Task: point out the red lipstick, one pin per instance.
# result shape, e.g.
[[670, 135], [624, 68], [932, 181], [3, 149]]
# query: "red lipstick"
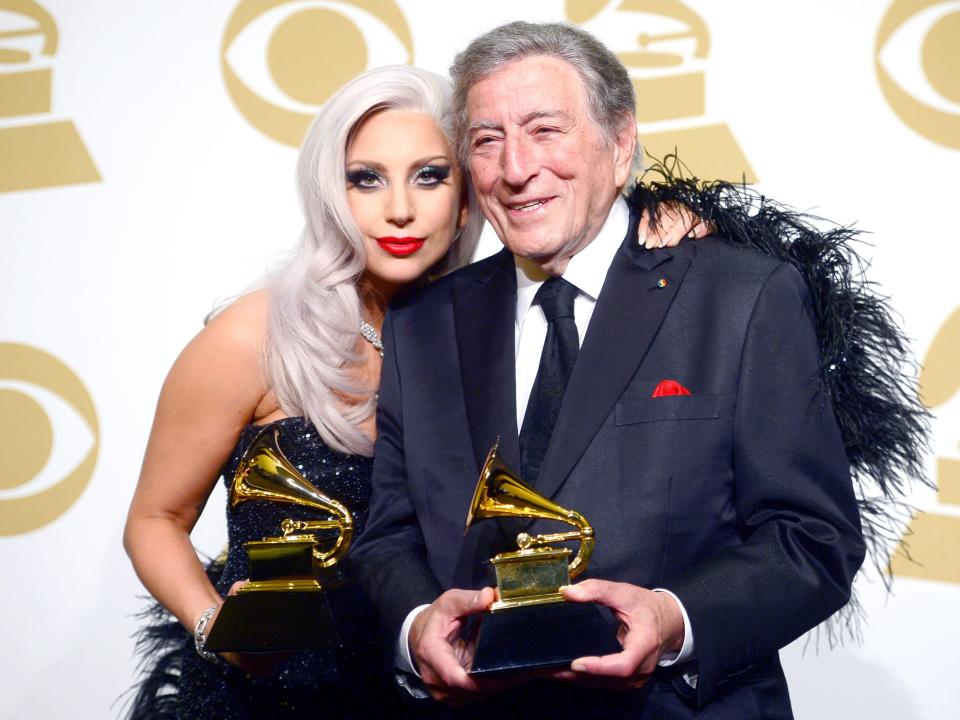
[[401, 246]]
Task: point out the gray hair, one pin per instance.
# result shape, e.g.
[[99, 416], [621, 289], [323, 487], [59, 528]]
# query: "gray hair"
[[315, 308], [610, 97]]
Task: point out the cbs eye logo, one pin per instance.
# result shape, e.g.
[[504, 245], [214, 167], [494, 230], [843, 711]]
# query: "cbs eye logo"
[[41, 476], [281, 59], [918, 47]]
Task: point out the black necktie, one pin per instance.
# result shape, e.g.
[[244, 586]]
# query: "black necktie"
[[556, 298]]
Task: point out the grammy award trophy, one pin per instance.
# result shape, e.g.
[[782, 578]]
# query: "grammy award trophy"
[[531, 625], [286, 605]]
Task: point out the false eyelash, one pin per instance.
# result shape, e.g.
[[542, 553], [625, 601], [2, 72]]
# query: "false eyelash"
[[438, 172], [356, 177]]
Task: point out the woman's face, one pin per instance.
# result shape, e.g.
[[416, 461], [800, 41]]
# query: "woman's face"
[[404, 191]]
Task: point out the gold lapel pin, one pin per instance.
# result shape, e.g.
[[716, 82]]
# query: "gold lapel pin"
[[662, 283]]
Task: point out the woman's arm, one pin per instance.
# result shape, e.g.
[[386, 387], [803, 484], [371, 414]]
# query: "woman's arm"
[[215, 388]]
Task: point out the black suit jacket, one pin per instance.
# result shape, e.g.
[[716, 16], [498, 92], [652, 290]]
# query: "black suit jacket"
[[737, 497]]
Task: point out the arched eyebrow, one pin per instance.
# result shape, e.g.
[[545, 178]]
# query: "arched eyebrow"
[[526, 119], [374, 165]]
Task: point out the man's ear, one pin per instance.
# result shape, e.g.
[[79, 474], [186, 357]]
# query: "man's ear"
[[625, 143]]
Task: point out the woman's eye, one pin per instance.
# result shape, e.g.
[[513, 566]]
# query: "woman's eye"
[[363, 178], [431, 175]]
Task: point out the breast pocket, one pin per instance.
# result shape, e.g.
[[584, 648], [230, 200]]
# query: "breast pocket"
[[680, 407]]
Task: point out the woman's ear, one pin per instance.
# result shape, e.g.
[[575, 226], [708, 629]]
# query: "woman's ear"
[[624, 145]]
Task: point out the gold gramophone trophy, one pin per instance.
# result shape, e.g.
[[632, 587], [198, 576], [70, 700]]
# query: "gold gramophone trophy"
[[531, 625], [286, 603]]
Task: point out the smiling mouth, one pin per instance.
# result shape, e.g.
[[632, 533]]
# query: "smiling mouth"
[[530, 206], [401, 246]]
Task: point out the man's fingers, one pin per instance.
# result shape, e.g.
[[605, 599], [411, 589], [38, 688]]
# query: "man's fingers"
[[619, 665], [442, 673], [441, 653], [459, 603], [601, 591]]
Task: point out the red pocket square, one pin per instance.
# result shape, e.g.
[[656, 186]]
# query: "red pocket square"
[[666, 388]]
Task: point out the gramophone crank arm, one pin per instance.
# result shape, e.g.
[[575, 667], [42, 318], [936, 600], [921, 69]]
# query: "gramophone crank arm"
[[525, 540], [344, 528], [292, 527], [584, 535]]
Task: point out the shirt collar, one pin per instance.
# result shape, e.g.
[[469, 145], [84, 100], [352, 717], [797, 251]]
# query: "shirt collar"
[[586, 270]]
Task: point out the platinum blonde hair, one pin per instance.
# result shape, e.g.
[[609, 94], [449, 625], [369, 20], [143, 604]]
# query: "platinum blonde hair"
[[315, 308], [610, 97]]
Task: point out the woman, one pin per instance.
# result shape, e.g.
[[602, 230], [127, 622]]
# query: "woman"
[[386, 208]]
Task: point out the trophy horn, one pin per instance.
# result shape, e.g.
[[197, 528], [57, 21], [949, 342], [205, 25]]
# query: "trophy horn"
[[264, 473], [501, 493]]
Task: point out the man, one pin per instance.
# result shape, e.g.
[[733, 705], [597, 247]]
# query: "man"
[[671, 397]]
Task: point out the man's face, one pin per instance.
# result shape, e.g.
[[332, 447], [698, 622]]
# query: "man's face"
[[545, 177]]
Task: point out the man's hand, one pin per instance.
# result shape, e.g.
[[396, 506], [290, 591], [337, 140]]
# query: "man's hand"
[[674, 223], [650, 624], [441, 654]]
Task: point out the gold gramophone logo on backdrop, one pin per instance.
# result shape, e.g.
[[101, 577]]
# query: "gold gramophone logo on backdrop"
[[918, 47], [934, 537], [664, 45], [40, 479], [37, 152], [281, 59]]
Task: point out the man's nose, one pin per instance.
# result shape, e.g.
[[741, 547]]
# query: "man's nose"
[[520, 161], [400, 207]]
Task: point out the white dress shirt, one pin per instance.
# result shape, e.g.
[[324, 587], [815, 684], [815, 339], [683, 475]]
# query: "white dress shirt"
[[586, 271]]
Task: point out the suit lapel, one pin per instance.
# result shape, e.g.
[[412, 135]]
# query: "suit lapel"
[[636, 294], [485, 306]]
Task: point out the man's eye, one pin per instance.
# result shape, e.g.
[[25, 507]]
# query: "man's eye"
[[481, 140], [431, 175], [363, 178]]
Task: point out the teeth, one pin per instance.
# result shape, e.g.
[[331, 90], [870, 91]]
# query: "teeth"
[[529, 206]]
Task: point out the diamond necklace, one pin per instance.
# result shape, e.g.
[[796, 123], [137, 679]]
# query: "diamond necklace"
[[371, 335]]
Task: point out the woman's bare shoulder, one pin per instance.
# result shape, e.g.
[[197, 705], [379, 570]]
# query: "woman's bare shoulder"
[[244, 321], [223, 363]]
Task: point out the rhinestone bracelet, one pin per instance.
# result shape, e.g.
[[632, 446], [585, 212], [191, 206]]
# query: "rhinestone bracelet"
[[200, 639]]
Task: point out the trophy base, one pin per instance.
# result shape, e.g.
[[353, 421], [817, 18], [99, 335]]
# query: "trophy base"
[[539, 636], [274, 621]]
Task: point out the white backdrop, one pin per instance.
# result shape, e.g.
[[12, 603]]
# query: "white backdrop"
[[118, 238]]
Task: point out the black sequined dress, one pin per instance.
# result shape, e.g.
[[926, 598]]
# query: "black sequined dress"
[[345, 683]]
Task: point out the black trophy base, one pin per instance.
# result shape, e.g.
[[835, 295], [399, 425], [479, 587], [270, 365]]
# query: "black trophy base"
[[543, 636], [274, 621]]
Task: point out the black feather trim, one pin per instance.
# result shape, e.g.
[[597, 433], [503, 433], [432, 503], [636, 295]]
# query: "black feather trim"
[[160, 644], [865, 361]]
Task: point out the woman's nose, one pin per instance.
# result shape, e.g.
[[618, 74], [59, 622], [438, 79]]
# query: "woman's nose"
[[400, 208]]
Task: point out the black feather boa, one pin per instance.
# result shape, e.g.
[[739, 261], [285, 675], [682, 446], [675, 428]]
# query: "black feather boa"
[[865, 360], [160, 644]]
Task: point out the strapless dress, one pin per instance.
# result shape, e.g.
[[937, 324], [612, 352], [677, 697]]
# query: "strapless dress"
[[350, 682]]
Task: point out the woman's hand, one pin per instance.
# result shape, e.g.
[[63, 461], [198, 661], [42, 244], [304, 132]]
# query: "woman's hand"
[[674, 223], [250, 663]]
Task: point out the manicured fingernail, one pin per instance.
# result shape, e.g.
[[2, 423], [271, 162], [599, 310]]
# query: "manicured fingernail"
[[578, 666]]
